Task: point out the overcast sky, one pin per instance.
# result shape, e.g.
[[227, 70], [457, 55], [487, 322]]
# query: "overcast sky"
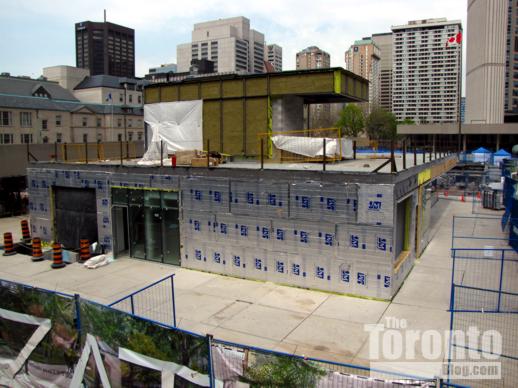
[[39, 33]]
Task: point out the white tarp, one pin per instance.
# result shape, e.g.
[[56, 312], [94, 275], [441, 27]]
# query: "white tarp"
[[177, 124], [313, 146]]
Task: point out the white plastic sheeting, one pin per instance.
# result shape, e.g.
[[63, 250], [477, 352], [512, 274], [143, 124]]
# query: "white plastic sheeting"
[[313, 146], [177, 124]]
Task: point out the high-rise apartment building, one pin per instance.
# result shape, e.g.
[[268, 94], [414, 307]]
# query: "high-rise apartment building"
[[313, 58], [485, 62], [363, 58], [427, 70], [317, 115], [384, 43], [230, 43], [105, 48], [273, 54], [511, 64]]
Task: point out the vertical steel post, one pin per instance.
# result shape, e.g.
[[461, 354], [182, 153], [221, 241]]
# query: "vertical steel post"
[[161, 153], [392, 158], [404, 154], [453, 236], [65, 152], [55, 151], [324, 155], [120, 150], [77, 305], [262, 153], [208, 153], [174, 303], [98, 150], [414, 146], [424, 154], [27, 151], [502, 261], [354, 149], [132, 305], [212, 379], [86, 152]]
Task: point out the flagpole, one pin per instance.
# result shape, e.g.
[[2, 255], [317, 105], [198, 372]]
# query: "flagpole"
[[111, 99], [459, 140]]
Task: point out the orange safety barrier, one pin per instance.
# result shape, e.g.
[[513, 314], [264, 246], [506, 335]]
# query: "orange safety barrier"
[[37, 253], [8, 244], [84, 250], [26, 234], [57, 256]]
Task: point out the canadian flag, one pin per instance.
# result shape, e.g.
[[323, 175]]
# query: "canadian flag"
[[454, 40]]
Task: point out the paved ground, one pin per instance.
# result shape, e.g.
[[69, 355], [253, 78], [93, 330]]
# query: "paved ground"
[[263, 314]]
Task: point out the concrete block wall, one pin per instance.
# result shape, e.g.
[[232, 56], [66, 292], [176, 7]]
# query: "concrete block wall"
[[315, 234], [320, 235]]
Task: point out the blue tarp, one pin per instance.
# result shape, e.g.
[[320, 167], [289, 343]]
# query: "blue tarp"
[[502, 152], [481, 150]]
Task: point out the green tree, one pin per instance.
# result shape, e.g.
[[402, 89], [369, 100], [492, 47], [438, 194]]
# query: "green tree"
[[279, 371], [351, 121], [407, 121], [381, 125]]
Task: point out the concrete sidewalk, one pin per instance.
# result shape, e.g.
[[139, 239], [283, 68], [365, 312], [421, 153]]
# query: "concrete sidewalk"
[[264, 314]]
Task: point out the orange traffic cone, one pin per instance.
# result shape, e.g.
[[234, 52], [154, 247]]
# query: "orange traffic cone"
[[26, 235], [84, 251], [462, 198], [37, 253], [8, 244], [446, 194], [57, 256]]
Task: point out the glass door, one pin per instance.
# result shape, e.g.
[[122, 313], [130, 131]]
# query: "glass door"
[[153, 220], [137, 224], [120, 230], [171, 229]]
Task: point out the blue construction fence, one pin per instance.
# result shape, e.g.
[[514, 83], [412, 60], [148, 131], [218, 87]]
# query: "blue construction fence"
[[482, 232], [48, 338], [484, 295]]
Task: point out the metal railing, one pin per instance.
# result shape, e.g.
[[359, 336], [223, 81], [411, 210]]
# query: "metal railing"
[[155, 301]]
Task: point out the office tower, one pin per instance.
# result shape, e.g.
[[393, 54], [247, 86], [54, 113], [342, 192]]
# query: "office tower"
[[485, 61], [273, 54], [384, 43], [427, 70], [363, 58], [511, 64], [230, 43], [105, 48]]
